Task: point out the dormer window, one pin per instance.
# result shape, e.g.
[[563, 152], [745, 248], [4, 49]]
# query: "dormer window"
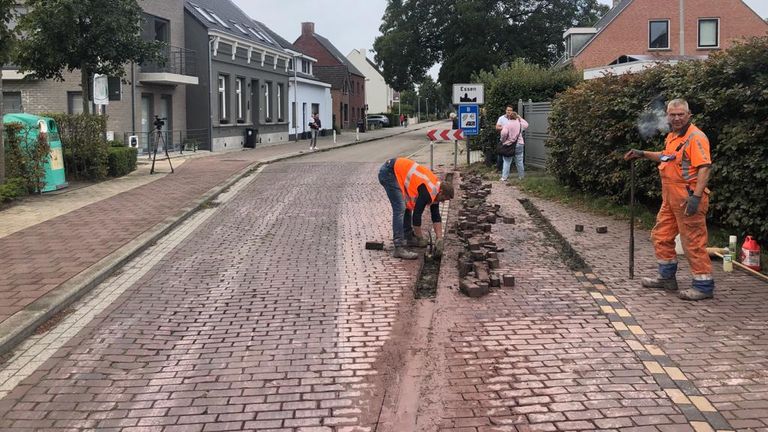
[[218, 20], [658, 32]]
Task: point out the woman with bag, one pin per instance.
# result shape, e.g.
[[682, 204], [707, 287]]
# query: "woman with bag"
[[512, 144]]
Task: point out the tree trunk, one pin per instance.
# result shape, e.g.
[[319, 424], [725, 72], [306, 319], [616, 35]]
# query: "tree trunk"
[[2, 128], [84, 84]]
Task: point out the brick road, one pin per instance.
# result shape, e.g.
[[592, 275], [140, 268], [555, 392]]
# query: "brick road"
[[268, 318]]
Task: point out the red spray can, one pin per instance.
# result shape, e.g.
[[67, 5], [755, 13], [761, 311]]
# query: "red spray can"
[[750, 253]]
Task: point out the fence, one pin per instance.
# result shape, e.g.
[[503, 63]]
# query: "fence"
[[175, 140]]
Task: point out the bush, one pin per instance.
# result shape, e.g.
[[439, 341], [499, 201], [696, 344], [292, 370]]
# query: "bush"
[[12, 188], [25, 160], [84, 146], [122, 160], [594, 123]]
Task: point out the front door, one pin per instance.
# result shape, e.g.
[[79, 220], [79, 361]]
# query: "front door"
[[164, 112], [147, 119], [255, 109]]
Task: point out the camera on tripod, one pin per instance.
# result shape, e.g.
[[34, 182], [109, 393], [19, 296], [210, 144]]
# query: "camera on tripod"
[[159, 122]]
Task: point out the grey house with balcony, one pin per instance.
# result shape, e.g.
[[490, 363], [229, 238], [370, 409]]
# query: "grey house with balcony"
[[146, 91], [243, 73]]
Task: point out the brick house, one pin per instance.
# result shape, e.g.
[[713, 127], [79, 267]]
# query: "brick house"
[[636, 33], [150, 89], [347, 82]]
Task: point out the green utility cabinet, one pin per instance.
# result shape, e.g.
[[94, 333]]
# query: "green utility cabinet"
[[33, 126]]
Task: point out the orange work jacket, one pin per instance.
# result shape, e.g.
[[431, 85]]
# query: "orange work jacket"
[[410, 176], [691, 151]]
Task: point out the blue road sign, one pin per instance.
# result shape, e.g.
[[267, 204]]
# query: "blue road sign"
[[469, 119]]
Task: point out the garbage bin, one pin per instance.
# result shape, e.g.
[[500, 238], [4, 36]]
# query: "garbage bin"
[[250, 137], [361, 125], [33, 126]]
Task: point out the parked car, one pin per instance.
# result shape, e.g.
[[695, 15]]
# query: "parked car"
[[378, 119]]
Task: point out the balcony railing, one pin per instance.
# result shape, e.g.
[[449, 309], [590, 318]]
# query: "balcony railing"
[[176, 60]]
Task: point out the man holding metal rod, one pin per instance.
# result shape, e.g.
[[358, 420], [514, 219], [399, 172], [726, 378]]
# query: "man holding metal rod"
[[684, 166]]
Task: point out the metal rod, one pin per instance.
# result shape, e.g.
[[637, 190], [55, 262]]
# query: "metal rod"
[[455, 153], [632, 221], [431, 155]]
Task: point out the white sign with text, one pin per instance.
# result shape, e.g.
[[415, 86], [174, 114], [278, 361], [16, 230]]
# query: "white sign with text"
[[468, 94]]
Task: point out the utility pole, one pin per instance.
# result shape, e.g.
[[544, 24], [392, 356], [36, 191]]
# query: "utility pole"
[[419, 108]]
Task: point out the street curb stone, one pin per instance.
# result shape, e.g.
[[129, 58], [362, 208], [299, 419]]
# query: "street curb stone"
[[24, 323]]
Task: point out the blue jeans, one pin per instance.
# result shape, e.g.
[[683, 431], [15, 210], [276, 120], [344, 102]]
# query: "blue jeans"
[[401, 217], [507, 163]]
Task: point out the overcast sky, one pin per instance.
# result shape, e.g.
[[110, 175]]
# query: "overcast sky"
[[348, 24]]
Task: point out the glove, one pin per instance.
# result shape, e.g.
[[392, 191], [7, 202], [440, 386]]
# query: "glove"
[[692, 205], [633, 154], [439, 246]]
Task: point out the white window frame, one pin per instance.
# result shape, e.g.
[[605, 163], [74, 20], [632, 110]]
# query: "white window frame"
[[219, 20], [717, 34], [267, 105], [280, 102], [202, 12], [223, 97], [240, 94], [669, 36]]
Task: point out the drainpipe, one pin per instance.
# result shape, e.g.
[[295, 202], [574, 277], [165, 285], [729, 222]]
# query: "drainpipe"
[[210, 91], [133, 98], [295, 111], [682, 27]]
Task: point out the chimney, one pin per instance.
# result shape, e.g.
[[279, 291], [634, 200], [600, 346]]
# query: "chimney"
[[307, 28], [616, 2], [363, 52]]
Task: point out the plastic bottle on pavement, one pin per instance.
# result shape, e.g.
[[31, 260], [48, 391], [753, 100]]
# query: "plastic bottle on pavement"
[[727, 261], [732, 247]]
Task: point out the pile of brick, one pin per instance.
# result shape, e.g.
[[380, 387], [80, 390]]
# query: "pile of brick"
[[479, 257]]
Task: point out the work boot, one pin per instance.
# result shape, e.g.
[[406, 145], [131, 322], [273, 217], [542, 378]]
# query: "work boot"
[[665, 284], [403, 253], [419, 242], [693, 294]]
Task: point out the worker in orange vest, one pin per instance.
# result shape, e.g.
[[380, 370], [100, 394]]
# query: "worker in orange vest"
[[684, 166], [411, 188]]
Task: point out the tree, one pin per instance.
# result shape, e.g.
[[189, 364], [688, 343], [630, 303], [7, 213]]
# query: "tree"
[[7, 39], [468, 36], [94, 36], [431, 91]]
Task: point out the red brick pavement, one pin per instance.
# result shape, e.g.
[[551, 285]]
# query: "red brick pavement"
[[268, 317], [540, 356]]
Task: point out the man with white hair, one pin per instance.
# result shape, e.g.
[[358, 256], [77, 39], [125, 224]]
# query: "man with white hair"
[[684, 166]]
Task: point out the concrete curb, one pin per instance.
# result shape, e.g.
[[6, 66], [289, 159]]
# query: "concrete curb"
[[22, 324]]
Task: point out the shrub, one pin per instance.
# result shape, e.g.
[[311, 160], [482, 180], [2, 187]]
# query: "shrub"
[[592, 124], [26, 160], [122, 160], [84, 146], [12, 188]]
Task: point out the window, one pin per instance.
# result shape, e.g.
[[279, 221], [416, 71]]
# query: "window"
[[240, 95], [293, 114], [223, 90], [11, 103], [257, 34], [218, 20], [202, 12], [346, 112], [280, 114], [239, 27], [659, 35], [75, 102], [315, 108], [305, 66], [267, 104], [709, 34]]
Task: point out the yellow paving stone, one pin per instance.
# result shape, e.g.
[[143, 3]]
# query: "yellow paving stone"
[[654, 350], [578, 274], [636, 330], [599, 286], [635, 345], [607, 309], [677, 396], [653, 367], [702, 427], [597, 295], [675, 373], [618, 325], [702, 404], [611, 299], [623, 313]]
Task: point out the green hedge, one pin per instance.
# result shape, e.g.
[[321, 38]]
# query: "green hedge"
[[12, 188], [594, 123], [24, 160], [85, 147], [122, 160]]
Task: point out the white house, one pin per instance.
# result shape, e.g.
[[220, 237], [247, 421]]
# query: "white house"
[[306, 94], [378, 95]]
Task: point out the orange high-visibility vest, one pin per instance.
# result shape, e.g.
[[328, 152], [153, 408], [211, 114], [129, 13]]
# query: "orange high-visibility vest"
[[410, 176]]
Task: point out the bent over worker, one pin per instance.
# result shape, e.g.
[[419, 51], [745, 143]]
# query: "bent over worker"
[[411, 188], [684, 166]]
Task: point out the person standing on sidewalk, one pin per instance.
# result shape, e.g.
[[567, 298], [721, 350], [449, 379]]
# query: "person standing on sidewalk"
[[315, 127], [499, 126], [411, 188], [513, 145], [684, 166]]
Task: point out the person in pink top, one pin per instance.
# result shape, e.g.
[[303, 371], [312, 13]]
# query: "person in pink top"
[[512, 143]]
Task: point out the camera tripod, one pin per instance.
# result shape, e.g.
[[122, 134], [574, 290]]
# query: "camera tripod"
[[160, 137]]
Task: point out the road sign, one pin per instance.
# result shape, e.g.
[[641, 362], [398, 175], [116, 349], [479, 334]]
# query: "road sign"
[[445, 134], [469, 119], [468, 94]]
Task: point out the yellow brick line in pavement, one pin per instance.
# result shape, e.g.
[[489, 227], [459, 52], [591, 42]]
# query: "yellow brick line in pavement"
[[700, 413]]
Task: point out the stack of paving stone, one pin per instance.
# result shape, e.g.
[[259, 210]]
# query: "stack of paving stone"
[[479, 258]]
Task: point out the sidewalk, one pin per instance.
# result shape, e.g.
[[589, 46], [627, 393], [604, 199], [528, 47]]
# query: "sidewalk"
[[55, 248]]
